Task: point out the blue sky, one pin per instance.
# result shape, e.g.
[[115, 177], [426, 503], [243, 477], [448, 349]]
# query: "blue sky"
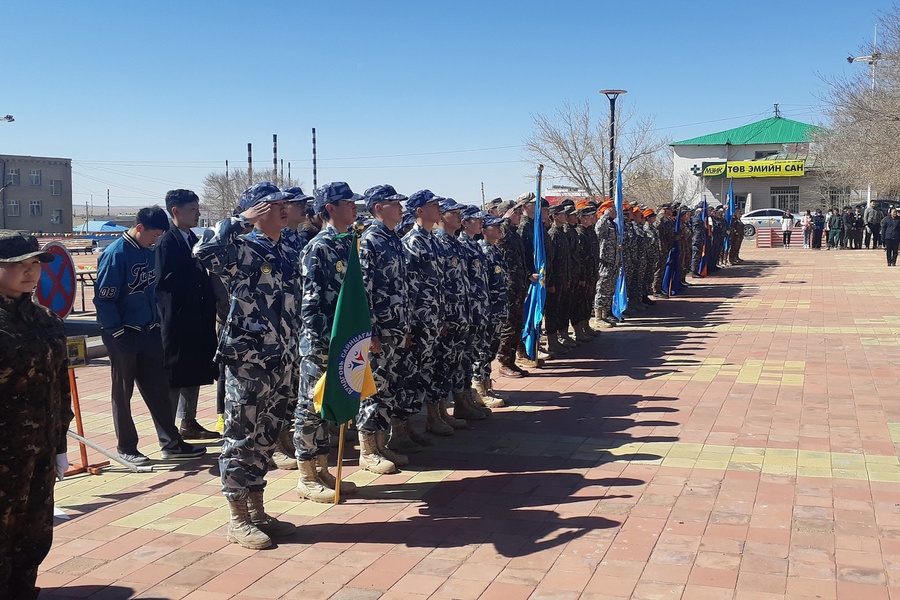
[[145, 97]]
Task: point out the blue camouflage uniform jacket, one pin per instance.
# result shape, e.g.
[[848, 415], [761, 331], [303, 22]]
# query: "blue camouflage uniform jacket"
[[425, 272], [477, 275], [495, 265], [455, 286], [324, 263], [383, 266], [294, 239], [261, 277]]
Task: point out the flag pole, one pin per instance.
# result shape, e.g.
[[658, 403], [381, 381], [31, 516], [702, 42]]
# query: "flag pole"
[[340, 464], [538, 218]]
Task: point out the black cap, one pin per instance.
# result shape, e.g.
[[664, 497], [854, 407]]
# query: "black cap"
[[16, 247]]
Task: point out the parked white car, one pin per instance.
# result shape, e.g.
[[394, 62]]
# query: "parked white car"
[[765, 218]]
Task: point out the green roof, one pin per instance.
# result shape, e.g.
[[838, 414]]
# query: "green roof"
[[774, 130]]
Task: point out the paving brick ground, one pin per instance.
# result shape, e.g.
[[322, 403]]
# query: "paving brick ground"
[[738, 442]]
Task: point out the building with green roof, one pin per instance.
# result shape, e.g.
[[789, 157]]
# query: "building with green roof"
[[769, 162]]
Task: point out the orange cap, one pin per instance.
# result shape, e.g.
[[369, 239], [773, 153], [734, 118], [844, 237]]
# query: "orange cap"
[[649, 212]]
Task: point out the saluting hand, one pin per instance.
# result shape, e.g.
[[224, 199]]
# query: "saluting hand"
[[255, 212]]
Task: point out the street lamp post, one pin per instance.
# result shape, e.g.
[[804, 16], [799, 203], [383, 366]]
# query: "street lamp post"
[[872, 60], [612, 95]]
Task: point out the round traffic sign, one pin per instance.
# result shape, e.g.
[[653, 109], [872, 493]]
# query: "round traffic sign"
[[56, 288]]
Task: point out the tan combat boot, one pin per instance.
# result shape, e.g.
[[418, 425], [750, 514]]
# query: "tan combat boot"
[[472, 401], [485, 396], [463, 410], [400, 441], [370, 457], [605, 321], [308, 485], [399, 459], [241, 529], [268, 524], [283, 456], [328, 480], [453, 422], [435, 423]]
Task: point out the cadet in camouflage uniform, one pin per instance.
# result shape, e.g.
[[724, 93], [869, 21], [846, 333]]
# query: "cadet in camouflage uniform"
[[587, 219], [665, 228], [384, 274], [631, 241], [698, 239], [259, 270], [518, 276], [452, 345], [652, 235], [685, 244], [479, 307], [574, 253], [37, 409], [526, 225], [580, 306], [497, 312], [559, 271], [425, 271], [283, 456], [323, 264], [736, 238], [610, 253]]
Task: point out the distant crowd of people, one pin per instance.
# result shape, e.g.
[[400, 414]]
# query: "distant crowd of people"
[[848, 229]]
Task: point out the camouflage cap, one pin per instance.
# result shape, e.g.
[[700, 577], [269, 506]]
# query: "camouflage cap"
[[332, 193], [471, 212], [382, 193], [504, 206], [525, 198], [448, 204], [16, 247], [420, 199], [489, 220], [264, 191], [299, 195]]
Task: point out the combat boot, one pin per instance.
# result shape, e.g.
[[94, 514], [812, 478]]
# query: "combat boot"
[[494, 393], [555, 348], [485, 397], [566, 341], [328, 480], [472, 401], [268, 524], [241, 529], [370, 457], [400, 440], [434, 423], [401, 460], [463, 410], [418, 438], [283, 457], [308, 485], [581, 335], [598, 313], [454, 422], [589, 329]]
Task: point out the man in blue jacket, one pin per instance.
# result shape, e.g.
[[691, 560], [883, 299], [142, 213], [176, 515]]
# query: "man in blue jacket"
[[125, 298]]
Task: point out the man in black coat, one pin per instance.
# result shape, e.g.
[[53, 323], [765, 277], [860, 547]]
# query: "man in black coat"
[[187, 310]]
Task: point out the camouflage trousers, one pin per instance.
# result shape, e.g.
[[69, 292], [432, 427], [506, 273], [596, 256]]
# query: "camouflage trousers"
[[26, 517], [556, 309], [606, 286], [311, 436], [256, 399], [417, 365], [376, 410], [448, 373], [685, 257], [486, 345], [510, 335], [659, 271], [582, 302]]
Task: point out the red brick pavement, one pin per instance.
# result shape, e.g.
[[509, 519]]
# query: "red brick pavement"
[[737, 442]]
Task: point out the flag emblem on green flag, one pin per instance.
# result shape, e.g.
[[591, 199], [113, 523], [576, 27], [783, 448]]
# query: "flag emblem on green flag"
[[348, 379]]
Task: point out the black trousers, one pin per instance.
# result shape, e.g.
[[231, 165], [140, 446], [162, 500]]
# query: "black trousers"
[[890, 247], [137, 357], [873, 230]]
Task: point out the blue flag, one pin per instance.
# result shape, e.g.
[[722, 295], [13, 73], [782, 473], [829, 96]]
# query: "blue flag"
[[537, 291], [702, 269], [620, 297], [729, 212], [671, 283]]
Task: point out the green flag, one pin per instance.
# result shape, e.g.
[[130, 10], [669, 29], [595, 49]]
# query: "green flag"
[[348, 378]]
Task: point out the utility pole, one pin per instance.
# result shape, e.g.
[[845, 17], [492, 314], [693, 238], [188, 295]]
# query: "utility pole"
[[872, 60], [249, 164], [107, 202], [275, 159], [314, 158]]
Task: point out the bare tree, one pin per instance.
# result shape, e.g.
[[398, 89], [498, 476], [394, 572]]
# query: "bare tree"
[[861, 144], [575, 144], [221, 192]]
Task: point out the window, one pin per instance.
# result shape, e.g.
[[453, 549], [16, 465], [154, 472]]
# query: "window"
[[56, 216], [786, 198], [12, 208], [12, 177], [763, 154], [740, 202], [838, 197], [56, 187], [34, 208], [35, 177]]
